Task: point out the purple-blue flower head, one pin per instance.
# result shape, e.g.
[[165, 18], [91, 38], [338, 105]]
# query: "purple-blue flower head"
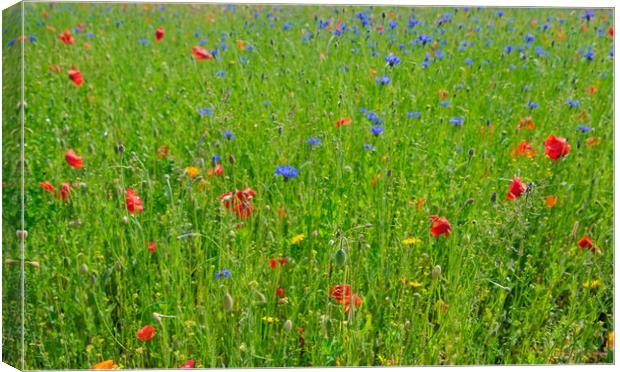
[[392, 59], [457, 120], [529, 38], [584, 128], [314, 141], [414, 114], [369, 147], [205, 111], [383, 80], [376, 130], [228, 135], [573, 103], [287, 172], [532, 105]]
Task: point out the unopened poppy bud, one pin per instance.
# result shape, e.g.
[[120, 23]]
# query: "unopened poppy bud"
[[83, 269], [22, 234], [471, 152], [267, 207], [232, 233], [493, 197], [389, 173], [280, 129], [470, 201], [436, 272], [120, 148], [340, 257], [227, 302], [288, 325], [156, 317], [65, 130], [231, 159]]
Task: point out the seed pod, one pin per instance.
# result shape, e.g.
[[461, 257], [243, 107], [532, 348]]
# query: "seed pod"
[[22, 234], [35, 264], [407, 324], [288, 325], [340, 257], [227, 302], [83, 269], [436, 272]]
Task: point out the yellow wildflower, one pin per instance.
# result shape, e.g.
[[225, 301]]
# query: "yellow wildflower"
[[297, 239], [412, 240], [191, 172]]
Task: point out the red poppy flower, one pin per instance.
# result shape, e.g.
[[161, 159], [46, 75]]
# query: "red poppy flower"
[[610, 31], [556, 147], [47, 186], [380, 29], [73, 160], [219, 171], [280, 292], [239, 202], [283, 260], [357, 301], [152, 247], [273, 262], [66, 37], [340, 291], [516, 189], [146, 333], [440, 226], [201, 54], [526, 123], [190, 363], [342, 122], [133, 201], [524, 149], [586, 243], [65, 191], [162, 152], [76, 77], [159, 34]]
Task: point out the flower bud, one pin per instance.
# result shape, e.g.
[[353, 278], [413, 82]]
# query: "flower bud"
[[22, 234], [340, 257], [288, 325], [227, 302], [83, 269], [436, 272]]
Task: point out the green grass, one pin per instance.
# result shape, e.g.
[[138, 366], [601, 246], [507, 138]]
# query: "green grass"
[[512, 273]]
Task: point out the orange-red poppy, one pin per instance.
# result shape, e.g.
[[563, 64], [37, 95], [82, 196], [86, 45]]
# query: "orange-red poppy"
[[73, 160], [66, 37], [201, 54], [146, 333], [517, 188], [556, 147], [523, 149], [76, 77], [159, 34], [133, 202], [342, 122], [440, 226]]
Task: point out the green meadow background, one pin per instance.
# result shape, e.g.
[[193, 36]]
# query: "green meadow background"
[[514, 287]]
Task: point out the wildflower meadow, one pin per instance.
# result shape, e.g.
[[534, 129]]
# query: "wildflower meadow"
[[212, 185]]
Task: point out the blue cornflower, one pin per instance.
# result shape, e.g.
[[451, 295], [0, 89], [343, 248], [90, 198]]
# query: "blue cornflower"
[[205, 111], [414, 114], [589, 55], [540, 52], [584, 128], [392, 59], [444, 103], [588, 14], [362, 109], [500, 13], [573, 103], [223, 46], [532, 105], [249, 47], [221, 73], [286, 172], [12, 42], [228, 135], [457, 120], [412, 23], [314, 141], [202, 41], [243, 59], [287, 26], [90, 35], [215, 158], [197, 33], [469, 61], [32, 38], [266, 103], [374, 117], [369, 147], [439, 54], [224, 273], [376, 130], [424, 39], [393, 24], [529, 38], [143, 41], [117, 23], [383, 80]]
